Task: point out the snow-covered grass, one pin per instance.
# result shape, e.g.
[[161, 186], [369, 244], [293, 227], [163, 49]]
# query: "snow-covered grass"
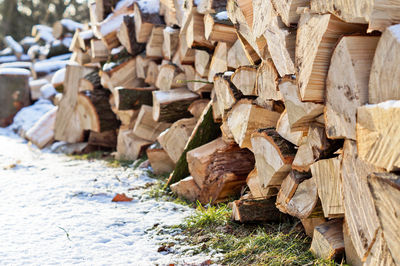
[[58, 210]]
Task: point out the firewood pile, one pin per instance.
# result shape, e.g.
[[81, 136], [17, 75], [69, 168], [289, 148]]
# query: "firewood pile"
[[293, 106]]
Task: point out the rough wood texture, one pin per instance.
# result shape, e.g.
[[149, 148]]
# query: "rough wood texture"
[[167, 77], [357, 200], [133, 98], [255, 210], [316, 38], [236, 56], [377, 136], [385, 73], [245, 118], [244, 79], [129, 146], [175, 138], [160, 161], [327, 176], [379, 253], [145, 127], [226, 93], [283, 128], [274, 156], [219, 30], [186, 188], [197, 107], [14, 95], [287, 10], [205, 131], [328, 240], [42, 133], [106, 139], [218, 62], [300, 114], [155, 43], [347, 83], [123, 75], [267, 82], [194, 31], [385, 190], [170, 43], [127, 37], [309, 224], [144, 23], [151, 73], [256, 189], [170, 106]]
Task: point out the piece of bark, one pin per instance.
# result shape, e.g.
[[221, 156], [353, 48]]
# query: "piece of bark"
[[347, 83], [144, 23], [226, 93], [245, 118], [202, 62], [186, 188], [106, 139], [155, 43], [145, 127], [236, 56], [274, 156], [288, 188], [133, 98], [385, 190], [327, 176], [385, 73], [300, 114], [160, 161], [175, 138], [283, 128], [218, 62], [287, 10], [170, 106], [208, 163], [129, 146], [42, 132], [197, 107], [205, 131], [313, 54], [377, 136], [244, 79], [219, 30], [127, 37], [255, 210], [358, 203], [267, 82], [328, 240], [170, 42]]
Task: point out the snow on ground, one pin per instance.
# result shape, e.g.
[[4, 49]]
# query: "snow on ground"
[[56, 210]]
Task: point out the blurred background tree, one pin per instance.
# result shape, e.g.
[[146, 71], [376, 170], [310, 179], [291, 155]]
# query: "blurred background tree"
[[18, 16]]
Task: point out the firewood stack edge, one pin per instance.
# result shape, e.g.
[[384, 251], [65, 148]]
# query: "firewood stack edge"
[[291, 106]]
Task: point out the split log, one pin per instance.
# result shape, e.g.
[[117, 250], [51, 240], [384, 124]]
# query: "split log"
[[144, 22], [226, 93], [142, 64], [133, 98], [186, 188], [236, 56], [218, 62], [122, 75], [65, 27], [185, 55], [385, 190], [205, 131], [287, 10], [167, 77], [267, 82], [217, 163], [99, 51], [104, 8], [81, 57], [218, 28], [194, 31], [283, 129], [313, 54], [127, 117], [202, 62], [327, 176], [385, 73], [145, 127], [159, 161], [352, 257], [217, 115], [42, 133], [193, 80], [288, 188], [14, 93], [274, 156], [129, 146], [170, 106], [379, 254], [244, 79], [358, 203], [106, 139], [152, 73], [34, 87], [384, 13], [347, 83], [155, 43], [210, 6], [253, 210], [198, 107], [300, 114], [328, 240], [377, 136], [170, 43], [256, 189], [245, 118], [90, 82], [127, 37], [175, 138], [309, 224]]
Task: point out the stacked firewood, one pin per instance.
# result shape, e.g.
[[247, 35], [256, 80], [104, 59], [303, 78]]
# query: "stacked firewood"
[[285, 104]]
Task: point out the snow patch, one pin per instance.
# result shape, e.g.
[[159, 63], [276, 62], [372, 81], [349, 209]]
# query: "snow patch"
[[48, 66], [26, 65], [385, 105], [395, 30], [149, 6], [222, 15], [58, 77], [87, 34], [15, 71], [71, 25], [111, 24], [47, 91], [14, 45]]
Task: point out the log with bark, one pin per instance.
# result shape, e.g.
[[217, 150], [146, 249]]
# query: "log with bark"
[[127, 37], [219, 28], [133, 98], [256, 210], [144, 22]]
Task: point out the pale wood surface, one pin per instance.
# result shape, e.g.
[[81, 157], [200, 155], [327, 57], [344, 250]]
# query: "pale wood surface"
[[328, 242], [145, 127]]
